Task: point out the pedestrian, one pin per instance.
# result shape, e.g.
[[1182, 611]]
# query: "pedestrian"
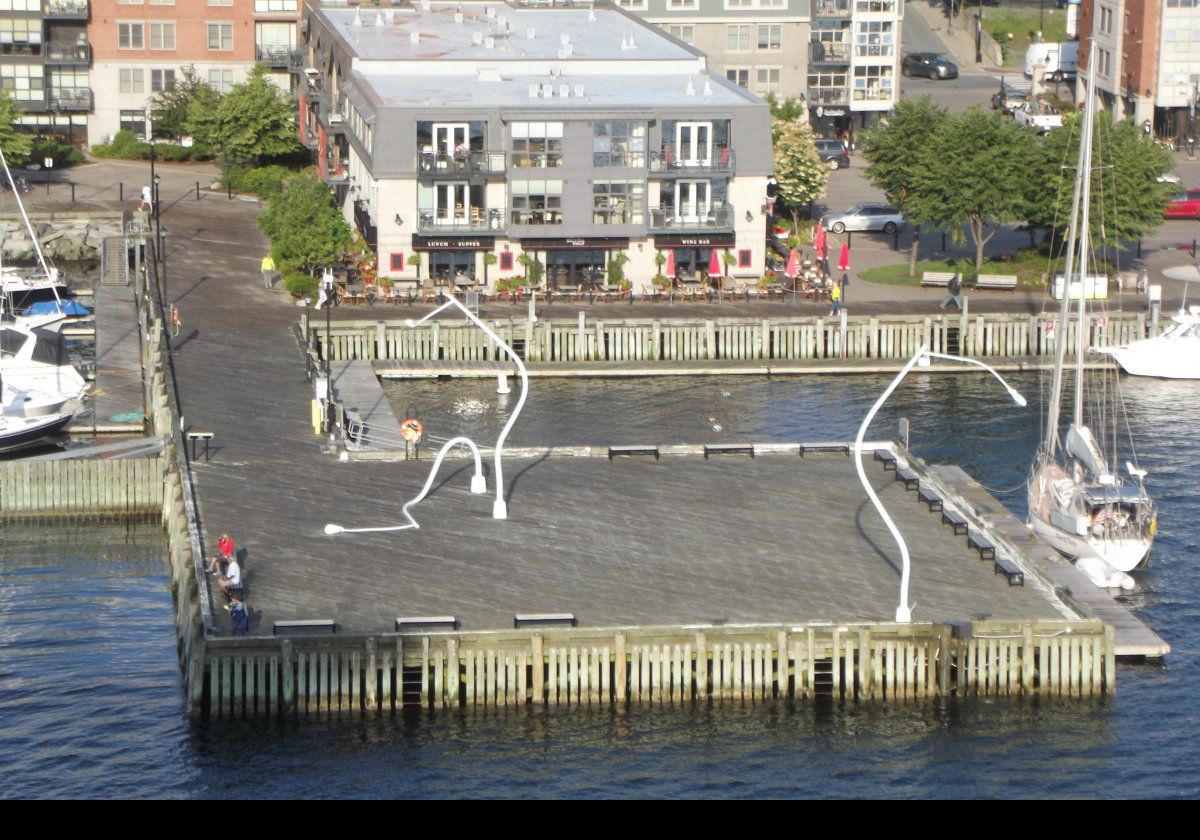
[[268, 271], [225, 552], [239, 617], [954, 288], [835, 301]]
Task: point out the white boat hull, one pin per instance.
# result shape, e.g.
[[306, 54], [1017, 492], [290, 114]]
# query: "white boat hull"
[[1158, 358], [1122, 555]]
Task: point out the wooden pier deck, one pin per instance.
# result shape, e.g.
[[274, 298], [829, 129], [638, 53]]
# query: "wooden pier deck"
[[117, 393], [357, 387]]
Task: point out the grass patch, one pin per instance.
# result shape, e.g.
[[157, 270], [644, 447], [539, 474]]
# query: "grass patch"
[[1022, 24], [1030, 265]]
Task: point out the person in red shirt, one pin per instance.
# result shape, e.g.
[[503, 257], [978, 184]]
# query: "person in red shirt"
[[225, 553]]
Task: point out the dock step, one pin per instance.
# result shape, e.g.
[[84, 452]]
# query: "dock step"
[[982, 544], [406, 622], [523, 619], [728, 449], [308, 626], [911, 480], [824, 446], [930, 498], [955, 520], [614, 451], [1009, 569], [888, 459], [114, 261]]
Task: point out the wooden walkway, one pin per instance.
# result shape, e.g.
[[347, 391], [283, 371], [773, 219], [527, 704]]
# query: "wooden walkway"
[[118, 391], [357, 387]]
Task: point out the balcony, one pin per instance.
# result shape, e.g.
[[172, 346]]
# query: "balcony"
[[440, 164], [479, 220], [824, 52], [672, 220], [65, 9], [668, 161], [831, 9], [78, 55], [828, 96], [69, 99], [275, 56], [874, 95], [362, 220]]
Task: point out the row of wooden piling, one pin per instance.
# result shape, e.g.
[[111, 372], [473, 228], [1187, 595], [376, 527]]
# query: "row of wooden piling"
[[867, 662]]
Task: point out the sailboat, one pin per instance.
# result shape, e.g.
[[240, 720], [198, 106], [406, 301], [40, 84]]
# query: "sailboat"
[[41, 284], [1081, 502]]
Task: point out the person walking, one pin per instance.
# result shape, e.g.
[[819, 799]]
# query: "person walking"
[[835, 301], [954, 289], [268, 271]]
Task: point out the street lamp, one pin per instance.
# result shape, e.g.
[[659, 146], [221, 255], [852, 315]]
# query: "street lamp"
[[979, 34], [904, 609]]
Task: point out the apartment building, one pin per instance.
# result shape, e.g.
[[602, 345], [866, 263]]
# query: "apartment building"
[[1148, 61], [571, 135], [141, 48], [44, 61]]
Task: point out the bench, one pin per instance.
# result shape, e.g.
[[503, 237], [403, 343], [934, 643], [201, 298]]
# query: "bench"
[[521, 619], [982, 544], [937, 278], [824, 446], [930, 498], [1004, 282], [614, 451], [911, 480], [1009, 569], [195, 437], [308, 625], [889, 459], [955, 520], [728, 449], [427, 621]]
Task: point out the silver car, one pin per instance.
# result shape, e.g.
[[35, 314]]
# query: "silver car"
[[864, 217]]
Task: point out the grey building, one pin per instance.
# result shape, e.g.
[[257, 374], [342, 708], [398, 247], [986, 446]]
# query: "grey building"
[[45, 60], [568, 134]]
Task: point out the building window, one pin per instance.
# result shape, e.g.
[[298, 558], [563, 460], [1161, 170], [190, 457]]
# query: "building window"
[[230, 3], [129, 2], [770, 36], [161, 2], [1104, 65], [161, 80], [632, 4], [220, 80], [876, 6], [131, 36], [537, 144], [767, 80], [536, 202], [134, 121], [267, 5], [618, 202], [682, 4], [506, 260], [872, 83], [23, 82], [737, 38], [397, 261], [740, 76], [162, 35], [874, 38], [132, 80], [220, 36], [744, 258], [619, 143], [20, 5], [1106, 20], [683, 31]]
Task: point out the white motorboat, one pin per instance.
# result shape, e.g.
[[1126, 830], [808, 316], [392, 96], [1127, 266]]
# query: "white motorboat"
[[19, 432], [34, 357], [1175, 354], [1098, 515]]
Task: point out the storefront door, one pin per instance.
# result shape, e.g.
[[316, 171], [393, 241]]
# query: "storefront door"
[[575, 267], [444, 266]]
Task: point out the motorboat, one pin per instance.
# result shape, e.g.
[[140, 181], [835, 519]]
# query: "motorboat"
[[21, 432], [1080, 502], [34, 357], [1175, 353]]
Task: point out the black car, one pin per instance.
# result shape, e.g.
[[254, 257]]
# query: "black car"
[[834, 153], [932, 65]]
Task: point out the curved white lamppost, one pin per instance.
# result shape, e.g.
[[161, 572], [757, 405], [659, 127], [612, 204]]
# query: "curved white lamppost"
[[904, 609], [478, 487]]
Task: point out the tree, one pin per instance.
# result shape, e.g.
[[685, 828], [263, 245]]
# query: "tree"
[[798, 169], [898, 152], [254, 120], [789, 110], [169, 110], [305, 228], [978, 177], [1127, 198], [16, 145]]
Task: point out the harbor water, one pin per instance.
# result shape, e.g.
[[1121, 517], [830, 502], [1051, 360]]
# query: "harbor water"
[[91, 704]]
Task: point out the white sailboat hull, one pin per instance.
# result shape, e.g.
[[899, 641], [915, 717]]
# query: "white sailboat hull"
[[1122, 555]]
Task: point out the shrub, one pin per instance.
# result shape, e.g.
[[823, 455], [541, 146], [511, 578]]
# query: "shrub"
[[265, 181], [63, 154], [168, 152], [124, 145], [300, 284]]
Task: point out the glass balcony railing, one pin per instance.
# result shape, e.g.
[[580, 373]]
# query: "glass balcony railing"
[[72, 54], [680, 219], [274, 56], [824, 52], [828, 96], [475, 220], [66, 9], [69, 99], [831, 9], [461, 163], [668, 159]]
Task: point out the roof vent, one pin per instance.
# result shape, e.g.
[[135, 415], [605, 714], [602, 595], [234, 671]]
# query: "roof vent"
[[414, 37], [424, 5], [489, 43], [502, 21], [535, 91], [579, 90], [592, 15], [564, 91], [565, 38], [458, 17], [530, 33], [477, 38], [358, 17], [708, 87], [691, 88], [489, 12]]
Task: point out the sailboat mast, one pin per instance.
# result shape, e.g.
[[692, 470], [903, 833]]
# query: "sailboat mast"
[[1085, 173], [37, 246]]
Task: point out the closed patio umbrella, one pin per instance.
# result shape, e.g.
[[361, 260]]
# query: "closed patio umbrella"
[[820, 242], [844, 259], [714, 264], [793, 265], [670, 269]]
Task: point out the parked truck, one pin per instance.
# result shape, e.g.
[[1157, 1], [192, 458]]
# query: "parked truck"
[[1039, 116], [1060, 61]]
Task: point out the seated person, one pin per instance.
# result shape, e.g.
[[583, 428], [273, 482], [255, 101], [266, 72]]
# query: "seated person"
[[225, 552], [232, 579]]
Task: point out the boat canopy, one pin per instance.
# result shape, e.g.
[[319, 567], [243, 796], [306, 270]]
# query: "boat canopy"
[[1101, 494]]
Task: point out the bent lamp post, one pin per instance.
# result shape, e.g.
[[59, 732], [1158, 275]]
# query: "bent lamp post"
[[904, 609]]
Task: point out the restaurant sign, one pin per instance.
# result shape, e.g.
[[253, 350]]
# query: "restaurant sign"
[[453, 243], [693, 241], [604, 243]]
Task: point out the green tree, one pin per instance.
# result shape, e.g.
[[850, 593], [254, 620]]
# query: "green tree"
[[254, 120], [788, 110], [1127, 198], [16, 145], [899, 155], [798, 169], [977, 178], [305, 228], [169, 109]]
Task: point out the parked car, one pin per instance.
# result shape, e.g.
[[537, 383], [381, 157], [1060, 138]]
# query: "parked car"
[[1186, 205], [864, 217], [933, 65], [834, 153]]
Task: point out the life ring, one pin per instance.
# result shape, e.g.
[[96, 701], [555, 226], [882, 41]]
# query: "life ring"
[[175, 321], [411, 430]]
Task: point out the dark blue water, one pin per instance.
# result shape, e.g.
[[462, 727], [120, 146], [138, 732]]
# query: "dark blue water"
[[91, 704]]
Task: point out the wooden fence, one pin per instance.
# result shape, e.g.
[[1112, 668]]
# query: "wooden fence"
[[656, 665], [734, 339], [125, 489]]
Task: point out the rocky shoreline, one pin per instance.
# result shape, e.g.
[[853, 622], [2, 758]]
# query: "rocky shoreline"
[[71, 240]]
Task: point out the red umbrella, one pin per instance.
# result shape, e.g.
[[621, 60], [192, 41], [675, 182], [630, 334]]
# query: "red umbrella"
[[793, 265], [844, 259], [714, 265], [670, 272], [820, 244]]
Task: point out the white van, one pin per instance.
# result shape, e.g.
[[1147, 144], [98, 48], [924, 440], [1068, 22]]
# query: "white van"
[[1061, 60]]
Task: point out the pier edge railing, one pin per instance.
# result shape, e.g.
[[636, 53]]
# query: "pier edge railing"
[[711, 339], [386, 673]]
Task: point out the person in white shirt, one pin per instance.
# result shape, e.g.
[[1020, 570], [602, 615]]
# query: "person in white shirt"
[[232, 579]]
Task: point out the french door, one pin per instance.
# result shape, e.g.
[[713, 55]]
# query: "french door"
[[694, 142], [451, 203], [693, 199]]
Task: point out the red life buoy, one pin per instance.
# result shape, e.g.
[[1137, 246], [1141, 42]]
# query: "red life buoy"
[[411, 430], [175, 321]]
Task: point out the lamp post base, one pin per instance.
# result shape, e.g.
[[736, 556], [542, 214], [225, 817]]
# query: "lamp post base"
[[904, 615], [500, 509], [478, 485]]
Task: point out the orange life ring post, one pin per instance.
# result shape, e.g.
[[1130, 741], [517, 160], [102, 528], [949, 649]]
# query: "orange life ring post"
[[411, 430]]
